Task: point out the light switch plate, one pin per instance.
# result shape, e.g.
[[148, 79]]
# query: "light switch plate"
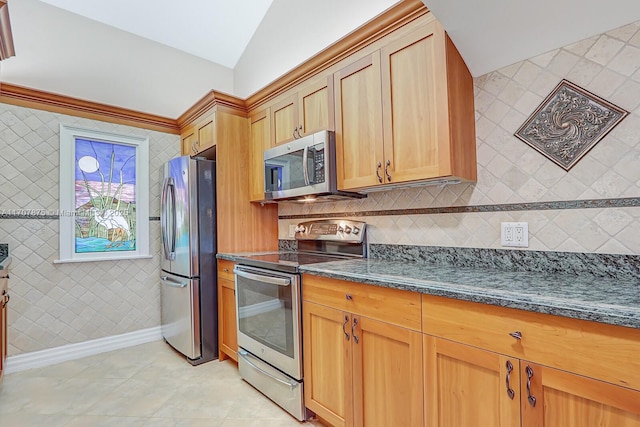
[[514, 234], [292, 230]]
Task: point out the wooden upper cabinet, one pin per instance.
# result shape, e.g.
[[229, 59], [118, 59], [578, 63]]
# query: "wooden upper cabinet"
[[406, 113], [284, 120], [359, 146], [308, 110], [260, 132], [199, 136], [315, 106]]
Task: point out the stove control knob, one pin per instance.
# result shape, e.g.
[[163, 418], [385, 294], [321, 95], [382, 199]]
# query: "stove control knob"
[[340, 229], [347, 229], [356, 230]]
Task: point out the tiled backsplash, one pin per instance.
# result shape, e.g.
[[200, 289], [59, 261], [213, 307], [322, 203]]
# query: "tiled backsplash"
[[513, 178], [58, 304]]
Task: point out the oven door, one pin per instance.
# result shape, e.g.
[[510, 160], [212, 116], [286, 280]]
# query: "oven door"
[[268, 310]]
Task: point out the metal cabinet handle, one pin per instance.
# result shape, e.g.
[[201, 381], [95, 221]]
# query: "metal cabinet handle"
[[517, 335], [344, 326], [510, 391], [296, 132], [353, 327], [195, 147], [386, 170], [378, 172], [530, 397], [349, 297]]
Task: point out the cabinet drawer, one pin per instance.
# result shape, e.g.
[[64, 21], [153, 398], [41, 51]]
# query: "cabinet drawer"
[[394, 306], [596, 350], [225, 269]]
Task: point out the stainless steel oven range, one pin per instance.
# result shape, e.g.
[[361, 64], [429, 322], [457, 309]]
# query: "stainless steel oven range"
[[269, 308]]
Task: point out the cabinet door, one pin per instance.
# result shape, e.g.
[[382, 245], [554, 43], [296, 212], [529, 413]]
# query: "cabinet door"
[[315, 105], [387, 374], [327, 363], [187, 142], [358, 105], [563, 399], [415, 122], [284, 120], [4, 299], [464, 385], [227, 322], [260, 131], [205, 132]]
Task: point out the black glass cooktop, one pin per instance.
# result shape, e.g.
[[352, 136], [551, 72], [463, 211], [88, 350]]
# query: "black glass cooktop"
[[287, 261]]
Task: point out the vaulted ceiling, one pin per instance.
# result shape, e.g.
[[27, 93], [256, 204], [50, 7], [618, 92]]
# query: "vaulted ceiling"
[[160, 56]]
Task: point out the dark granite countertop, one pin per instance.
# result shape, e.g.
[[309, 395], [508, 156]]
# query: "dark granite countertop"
[[612, 301], [587, 297]]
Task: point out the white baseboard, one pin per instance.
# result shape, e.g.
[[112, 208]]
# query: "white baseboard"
[[51, 356]]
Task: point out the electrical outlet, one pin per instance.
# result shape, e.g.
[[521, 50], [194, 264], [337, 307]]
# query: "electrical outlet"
[[515, 234], [292, 230]]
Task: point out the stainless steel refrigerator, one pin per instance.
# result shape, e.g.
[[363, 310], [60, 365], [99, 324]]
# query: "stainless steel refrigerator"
[[188, 290]]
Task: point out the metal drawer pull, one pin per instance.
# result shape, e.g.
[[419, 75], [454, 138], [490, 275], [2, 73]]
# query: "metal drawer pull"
[[353, 332], [244, 355], [386, 170], [378, 172], [264, 279], [349, 297], [530, 397], [510, 391], [344, 326], [517, 335]]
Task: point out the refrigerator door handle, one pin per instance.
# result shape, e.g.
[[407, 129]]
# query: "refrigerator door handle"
[[169, 193], [172, 282]]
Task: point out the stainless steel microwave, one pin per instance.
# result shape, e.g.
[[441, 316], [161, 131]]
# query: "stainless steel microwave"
[[303, 169]]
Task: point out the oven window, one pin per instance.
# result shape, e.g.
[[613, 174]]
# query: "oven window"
[[264, 314]]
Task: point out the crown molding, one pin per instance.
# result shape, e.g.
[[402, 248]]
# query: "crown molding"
[[209, 101], [32, 98]]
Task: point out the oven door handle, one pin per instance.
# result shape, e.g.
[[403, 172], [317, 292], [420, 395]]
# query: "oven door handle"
[[244, 354], [264, 279]]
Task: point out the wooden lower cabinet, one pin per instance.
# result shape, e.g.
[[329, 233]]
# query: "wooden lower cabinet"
[[467, 386], [4, 299], [360, 371], [227, 321], [563, 399]]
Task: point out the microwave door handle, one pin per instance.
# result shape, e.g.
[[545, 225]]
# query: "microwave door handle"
[[264, 279], [305, 166]]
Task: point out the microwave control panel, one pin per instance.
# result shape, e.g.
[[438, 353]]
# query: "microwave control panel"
[[318, 157]]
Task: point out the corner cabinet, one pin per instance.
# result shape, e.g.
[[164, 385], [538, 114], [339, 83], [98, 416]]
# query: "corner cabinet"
[[4, 300], [260, 131], [512, 368], [362, 354], [405, 113], [227, 322]]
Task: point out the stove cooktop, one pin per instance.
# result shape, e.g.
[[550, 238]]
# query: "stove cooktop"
[[288, 261]]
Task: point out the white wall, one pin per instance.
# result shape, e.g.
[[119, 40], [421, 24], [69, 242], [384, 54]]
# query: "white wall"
[[58, 304], [293, 31], [88, 60]]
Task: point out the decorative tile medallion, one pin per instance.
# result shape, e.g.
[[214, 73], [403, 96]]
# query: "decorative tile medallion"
[[569, 123]]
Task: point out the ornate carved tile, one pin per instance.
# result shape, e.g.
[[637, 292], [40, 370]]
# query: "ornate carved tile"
[[569, 123]]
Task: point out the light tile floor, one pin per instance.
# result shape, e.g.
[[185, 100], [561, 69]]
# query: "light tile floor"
[[146, 385]]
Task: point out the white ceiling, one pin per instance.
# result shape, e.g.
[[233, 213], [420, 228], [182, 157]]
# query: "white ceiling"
[[160, 57], [216, 30]]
